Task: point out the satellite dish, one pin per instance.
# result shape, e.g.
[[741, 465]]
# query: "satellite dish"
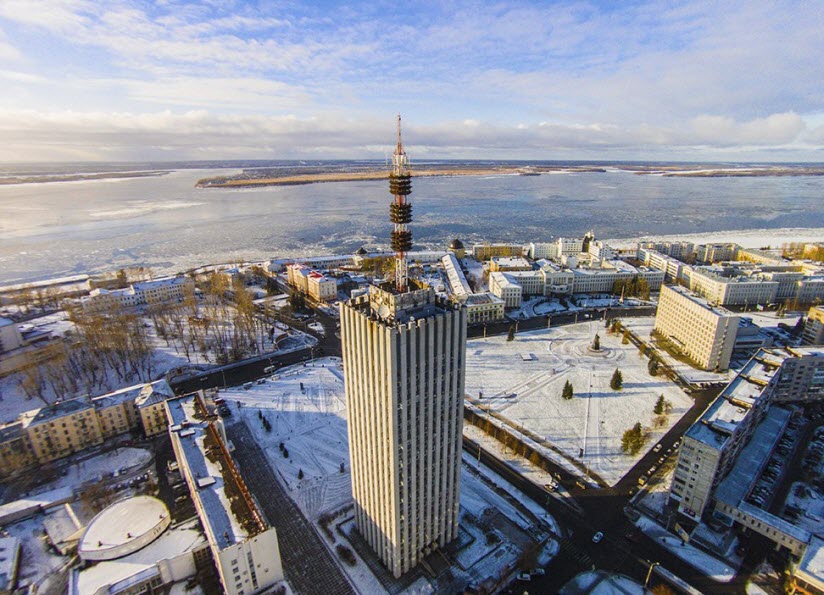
[[383, 311]]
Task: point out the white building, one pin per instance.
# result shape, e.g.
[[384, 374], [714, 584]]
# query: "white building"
[[602, 279], [404, 357], [157, 291], [537, 251], [458, 285], [483, 307], [509, 263], [504, 286], [10, 337], [704, 333], [601, 251], [244, 548], [557, 280]]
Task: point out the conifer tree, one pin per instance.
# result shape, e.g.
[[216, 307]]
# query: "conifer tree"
[[617, 380]]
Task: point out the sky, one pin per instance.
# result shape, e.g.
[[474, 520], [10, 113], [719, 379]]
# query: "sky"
[[132, 80]]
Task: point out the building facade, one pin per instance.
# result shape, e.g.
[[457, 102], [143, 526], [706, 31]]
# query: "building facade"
[[704, 333], [814, 327], [404, 356], [505, 287]]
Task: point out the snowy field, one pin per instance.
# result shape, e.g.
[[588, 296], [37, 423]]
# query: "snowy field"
[[522, 380], [311, 424], [310, 421]]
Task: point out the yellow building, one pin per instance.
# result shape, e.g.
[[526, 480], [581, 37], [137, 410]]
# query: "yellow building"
[[814, 327], [64, 428], [58, 430], [509, 263], [487, 251], [702, 332]]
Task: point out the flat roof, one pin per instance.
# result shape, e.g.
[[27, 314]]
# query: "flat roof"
[[504, 279], [812, 562], [123, 522], [753, 457], [697, 299], [218, 520], [139, 565]]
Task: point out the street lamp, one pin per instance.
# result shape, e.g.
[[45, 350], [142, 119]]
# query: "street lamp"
[[649, 573]]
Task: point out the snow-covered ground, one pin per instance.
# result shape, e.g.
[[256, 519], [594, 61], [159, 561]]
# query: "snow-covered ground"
[[522, 380], [707, 564], [311, 424], [475, 271], [37, 559], [310, 421]]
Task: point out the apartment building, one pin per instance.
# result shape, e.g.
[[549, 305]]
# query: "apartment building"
[[244, 547], [709, 448], [814, 327], [601, 251], [704, 333], [504, 286], [678, 250], [313, 283], [674, 270], [715, 252], [66, 427]]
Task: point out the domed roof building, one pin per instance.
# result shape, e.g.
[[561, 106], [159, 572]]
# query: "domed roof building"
[[457, 248]]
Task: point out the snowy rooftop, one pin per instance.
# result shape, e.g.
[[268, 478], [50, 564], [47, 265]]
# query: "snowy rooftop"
[[753, 457], [457, 281], [10, 431], [35, 503], [123, 522], [9, 553], [172, 543], [623, 266], [154, 283], [154, 393], [118, 397], [218, 519], [504, 279], [812, 563], [481, 298], [511, 261], [696, 299], [50, 412], [762, 367]]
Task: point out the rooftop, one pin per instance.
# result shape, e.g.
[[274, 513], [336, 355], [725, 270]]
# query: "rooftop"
[[50, 412], [172, 543], [481, 298], [165, 282], [454, 275], [698, 300], [122, 523], [738, 483], [812, 563]]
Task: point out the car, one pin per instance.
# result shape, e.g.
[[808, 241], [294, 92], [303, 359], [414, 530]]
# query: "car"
[[524, 576], [657, 447], [538, 571], [597, 537]]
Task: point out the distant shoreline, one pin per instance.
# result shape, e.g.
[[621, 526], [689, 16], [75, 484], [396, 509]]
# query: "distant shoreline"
[[382, 174], [46, 179], [247, 179]]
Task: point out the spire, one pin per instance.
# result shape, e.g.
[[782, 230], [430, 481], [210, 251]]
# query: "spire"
[[400, 212]]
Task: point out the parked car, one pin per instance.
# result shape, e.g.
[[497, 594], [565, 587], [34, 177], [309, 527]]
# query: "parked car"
[[597, 537]]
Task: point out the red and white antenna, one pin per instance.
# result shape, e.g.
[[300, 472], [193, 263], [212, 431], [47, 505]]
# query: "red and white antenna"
[[400, 212]]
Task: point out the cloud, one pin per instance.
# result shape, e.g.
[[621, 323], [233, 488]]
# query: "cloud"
[[200, 134]]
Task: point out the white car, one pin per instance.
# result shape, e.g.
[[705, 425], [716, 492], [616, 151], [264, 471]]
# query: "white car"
[[597, 537]]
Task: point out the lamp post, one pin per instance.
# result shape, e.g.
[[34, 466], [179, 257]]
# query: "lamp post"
[[649, 572]]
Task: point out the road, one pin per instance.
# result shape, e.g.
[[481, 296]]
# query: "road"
[[308, 565]]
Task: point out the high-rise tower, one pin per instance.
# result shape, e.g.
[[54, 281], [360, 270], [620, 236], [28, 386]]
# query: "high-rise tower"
[[404, 352]]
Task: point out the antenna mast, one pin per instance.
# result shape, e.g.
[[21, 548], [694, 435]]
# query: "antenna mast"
[[400, 212]]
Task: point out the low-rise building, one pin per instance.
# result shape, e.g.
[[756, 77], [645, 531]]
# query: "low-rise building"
[[509, 263], [704, 333], [710, 253], [55, 431], [505, 287], [531, 282], [814, 327], [601, 278], [557, 280], [601, 251], [484, 252], [455, 278], [156, 291], [10, 337], [483, 307], [244, 547]]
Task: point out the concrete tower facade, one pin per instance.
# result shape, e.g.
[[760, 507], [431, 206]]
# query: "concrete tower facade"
[[404, 353]]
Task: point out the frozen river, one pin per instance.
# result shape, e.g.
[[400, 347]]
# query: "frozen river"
[[167, 224]]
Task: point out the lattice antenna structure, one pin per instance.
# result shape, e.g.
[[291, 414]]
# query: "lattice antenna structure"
[[400, 212]]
